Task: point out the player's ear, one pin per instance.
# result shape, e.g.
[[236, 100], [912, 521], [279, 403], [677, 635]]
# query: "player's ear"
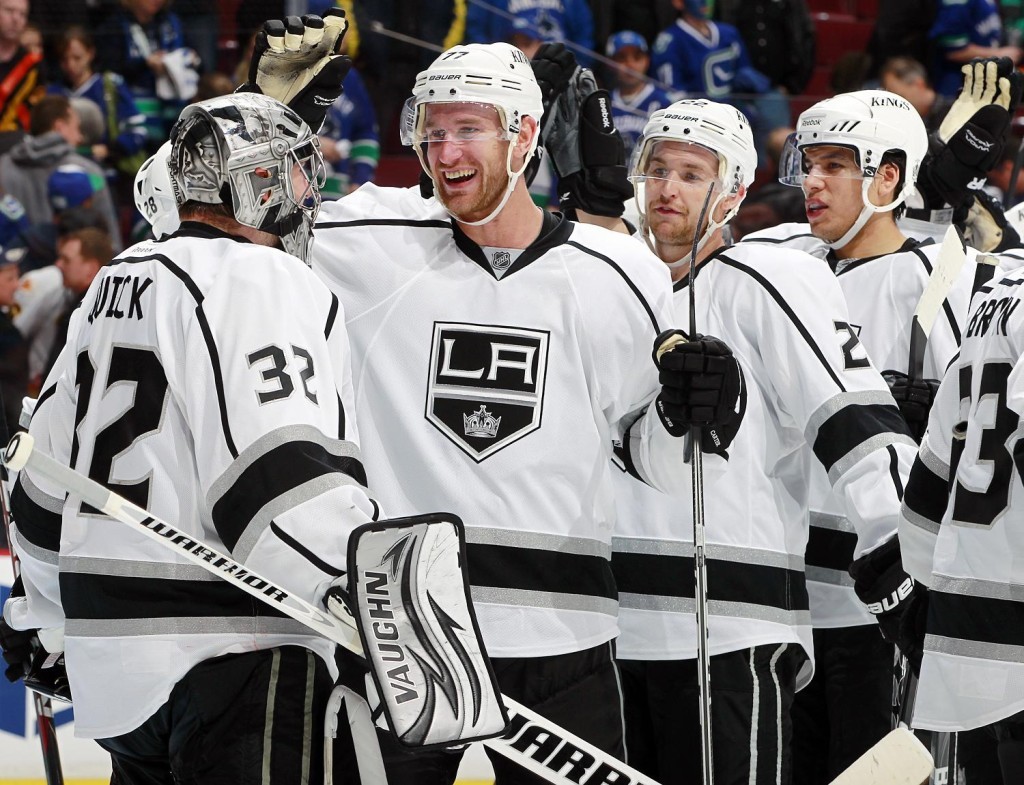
[[527, 131]]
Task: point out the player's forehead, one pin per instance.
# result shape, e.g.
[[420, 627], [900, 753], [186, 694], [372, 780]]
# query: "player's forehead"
[[820, 153], [435, 114], [684, 155]]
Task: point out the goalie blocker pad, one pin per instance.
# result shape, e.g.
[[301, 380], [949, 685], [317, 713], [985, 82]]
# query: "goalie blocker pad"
[[411, 600]]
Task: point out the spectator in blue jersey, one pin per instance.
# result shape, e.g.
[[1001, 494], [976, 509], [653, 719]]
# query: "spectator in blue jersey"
[[350, 139], [135, 42], [634, 97], [702, 58], [122, 144], [963, 30], [568, 21]]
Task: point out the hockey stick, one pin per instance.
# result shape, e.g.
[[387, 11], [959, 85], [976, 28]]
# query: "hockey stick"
[[531, 741], [898, 759], [951, 259], [42, 705]]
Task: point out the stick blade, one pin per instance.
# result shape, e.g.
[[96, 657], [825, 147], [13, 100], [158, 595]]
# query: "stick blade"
[[898, 759]]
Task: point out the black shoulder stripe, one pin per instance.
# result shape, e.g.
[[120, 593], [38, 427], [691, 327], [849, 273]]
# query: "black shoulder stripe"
[[927, 494], [331, 316], [786, 309], [946, 308], [853, 425], [275, 473], [36, 524], [425, 224], [629, 283]]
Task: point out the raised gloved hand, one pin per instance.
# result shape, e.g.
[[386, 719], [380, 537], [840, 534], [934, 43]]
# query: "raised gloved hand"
[[970, 140], [914, 398], [701, 385], [553, 66], [296, 62], [585, 148], [986, 228], [884, 587]]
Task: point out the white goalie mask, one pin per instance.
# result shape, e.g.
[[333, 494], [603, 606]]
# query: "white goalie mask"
[[154, 194], [255, 155], [871, 123], [496, 76], [719, 128]]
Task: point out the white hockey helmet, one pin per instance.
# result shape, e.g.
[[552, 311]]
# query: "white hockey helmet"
[[720, 128], [871, 123], [241, 150], [154, 194], [497, 75]]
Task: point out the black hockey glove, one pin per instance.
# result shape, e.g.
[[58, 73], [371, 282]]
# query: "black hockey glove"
[[914, 398], [970, 140], [586, 149], [884, 587], [296, 62], [553, 66], [913, 625], [986, 227], [701, 385], [18, 645]]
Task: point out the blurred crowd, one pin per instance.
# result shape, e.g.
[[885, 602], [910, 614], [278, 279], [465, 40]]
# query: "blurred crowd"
[[90, 88]]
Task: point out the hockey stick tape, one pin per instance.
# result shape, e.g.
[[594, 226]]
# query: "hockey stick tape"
[[669, 344], [17, 452]]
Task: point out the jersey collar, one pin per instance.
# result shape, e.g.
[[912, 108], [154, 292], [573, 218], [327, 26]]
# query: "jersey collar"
[[200, 229], [554, 231]]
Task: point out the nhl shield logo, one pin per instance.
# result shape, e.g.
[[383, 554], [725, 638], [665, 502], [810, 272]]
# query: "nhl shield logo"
[[486, 386]]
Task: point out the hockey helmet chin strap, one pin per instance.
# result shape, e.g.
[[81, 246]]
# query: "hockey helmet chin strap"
[[712, 227], [513, 177], [866, 212]]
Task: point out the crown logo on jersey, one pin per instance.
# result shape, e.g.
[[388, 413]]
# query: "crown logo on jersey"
[[481, 423]]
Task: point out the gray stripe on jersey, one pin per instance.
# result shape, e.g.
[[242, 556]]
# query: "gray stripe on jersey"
[[39, 554], [544, 599], [829, 576], [729, 553], [839, 402], [934, 463], [836, 523], [266, 443], [978, 588], [282, 504], [740, 610], [123, 568], [918, 520], [877, 442], [582, 546], [38, 497], [186, 625], [1001, 652]]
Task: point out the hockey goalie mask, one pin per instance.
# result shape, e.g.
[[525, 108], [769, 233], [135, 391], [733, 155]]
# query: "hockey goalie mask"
[[251, 152], [154, 194], [484, 78], [871, 123], [723, 130]]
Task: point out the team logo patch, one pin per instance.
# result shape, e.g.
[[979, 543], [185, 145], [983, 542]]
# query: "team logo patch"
[[501, 260], [486, 387]]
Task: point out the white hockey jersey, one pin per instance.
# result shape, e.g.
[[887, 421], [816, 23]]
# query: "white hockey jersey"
[[205, 379], [882, 293], [493, 386], [960, 526], [809, 383]]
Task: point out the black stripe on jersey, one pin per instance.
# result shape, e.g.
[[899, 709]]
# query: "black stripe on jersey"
[[532, 569], [276, 472], [830, 548], [629, 283], [425, 224], [946, 308], [894, 471], [341, 419], [331, 316], [36, 524], [305, 552], [44, 396], [786, 309], [93, 596], [927, 494], [978, 619], [661, 575], [853, 425], [204, 325], [776, 240], [623, 453]]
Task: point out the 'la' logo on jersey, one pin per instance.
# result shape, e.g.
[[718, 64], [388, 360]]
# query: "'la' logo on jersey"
[[486, 384]]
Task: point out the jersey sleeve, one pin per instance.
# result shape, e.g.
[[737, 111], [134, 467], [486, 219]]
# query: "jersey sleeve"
[[278, 458]]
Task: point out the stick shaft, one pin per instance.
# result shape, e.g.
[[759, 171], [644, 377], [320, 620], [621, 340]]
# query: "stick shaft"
[[526, 741]]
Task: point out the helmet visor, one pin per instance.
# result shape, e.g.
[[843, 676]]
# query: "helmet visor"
[[458, 122], [684, 164], [819, 161]]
